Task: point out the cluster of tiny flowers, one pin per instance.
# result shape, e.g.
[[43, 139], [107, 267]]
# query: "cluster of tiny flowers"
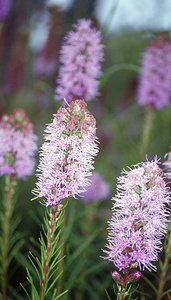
[[17, 145], [154, 82], [80, 59], [167, 164], [4, 8], [67, 154], [139, 217], [98, 189]]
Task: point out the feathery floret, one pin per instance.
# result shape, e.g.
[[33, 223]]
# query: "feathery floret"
[[80, 59], [155, 78], [67, 154], [139, 217], [17, 145]]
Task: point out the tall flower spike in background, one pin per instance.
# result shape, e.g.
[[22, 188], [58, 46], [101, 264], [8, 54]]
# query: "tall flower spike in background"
[[139, 221], [66, 161], [154, 81], [81, 56], [17, 160]]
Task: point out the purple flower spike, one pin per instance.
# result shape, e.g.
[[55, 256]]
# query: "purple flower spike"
[[67, 155], [17, 145], [155, 78], [80, 59], [139, 217], [98, 189]]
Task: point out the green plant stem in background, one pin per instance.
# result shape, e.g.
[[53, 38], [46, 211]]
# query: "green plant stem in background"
[[88, 225], [148, 121], [164, 269], [9, 189]]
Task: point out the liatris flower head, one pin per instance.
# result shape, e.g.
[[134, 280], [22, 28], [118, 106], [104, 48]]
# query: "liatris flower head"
[[17, 145], [167, 165], [155, 78], [98, 189], [139, 217], [80, 59], [67, 154]]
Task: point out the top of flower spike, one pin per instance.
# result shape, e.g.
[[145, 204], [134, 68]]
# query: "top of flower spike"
[[18, 120], [76, 117]]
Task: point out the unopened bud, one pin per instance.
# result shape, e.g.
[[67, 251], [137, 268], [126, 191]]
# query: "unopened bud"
[[117, 277], [134, 276]]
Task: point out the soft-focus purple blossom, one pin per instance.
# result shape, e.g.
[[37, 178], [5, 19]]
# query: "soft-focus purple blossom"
[[4, 8], [67, 154], [80, 59], [139, 217], [98, 189], [17, 145], [167, 164], [154, 81], [14, 77], [46, 60]]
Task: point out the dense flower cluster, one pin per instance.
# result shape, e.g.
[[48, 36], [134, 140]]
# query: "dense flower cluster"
[[155, 78], [98, 189], [67, 154], [17, 145], [139, 217], [80, 59], [167, 165]]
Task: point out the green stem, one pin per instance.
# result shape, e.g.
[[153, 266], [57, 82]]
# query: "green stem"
[[47, 257], [61, 255], [7, 214], [164, 269], [146, 131], [123, 287]]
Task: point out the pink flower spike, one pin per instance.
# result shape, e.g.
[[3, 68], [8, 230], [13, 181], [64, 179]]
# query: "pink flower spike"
[[17, 145], [155, 78], [139, 217], [80, 58], [67, 155]]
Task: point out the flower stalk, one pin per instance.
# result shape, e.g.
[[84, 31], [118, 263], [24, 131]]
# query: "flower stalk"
[[50, 236], [10, 182]]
